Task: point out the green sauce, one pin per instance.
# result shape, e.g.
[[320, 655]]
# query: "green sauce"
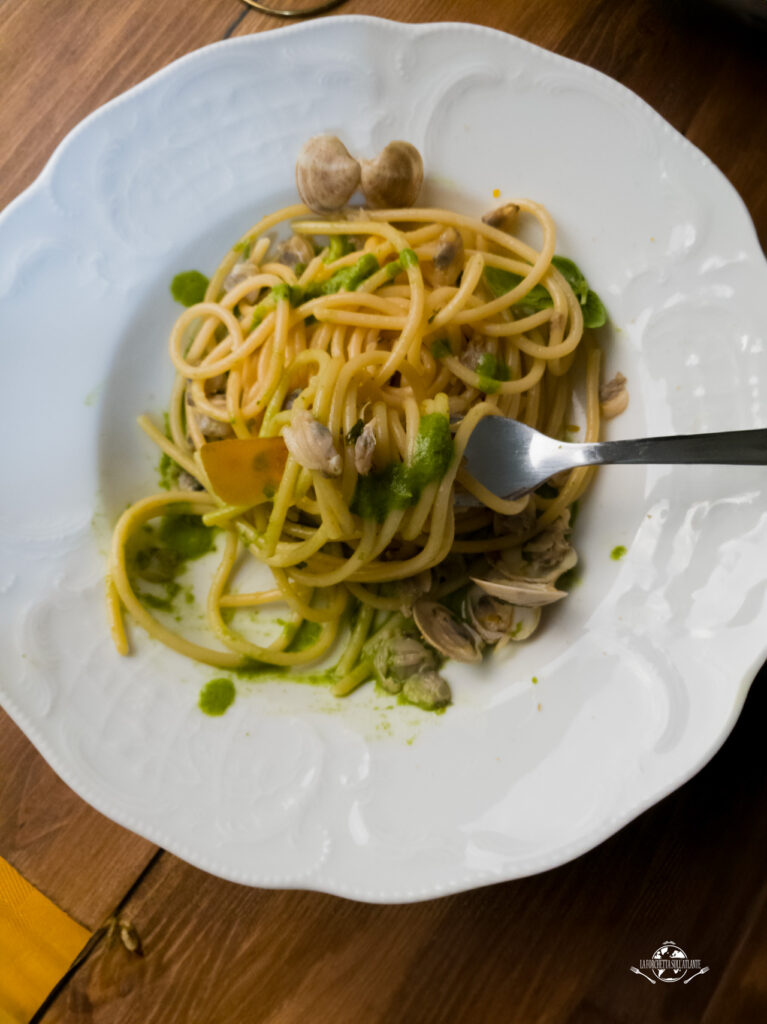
[[492, 372], [339, 246], [189, 287], [618, 552], [216, 696], [350, 278], [499, 282], [187, 536], [167, 472], [261, 672], [408, 258], [400, 485], [441, 348], [433, 451], [307, 635], [162, 604], [160, 555]]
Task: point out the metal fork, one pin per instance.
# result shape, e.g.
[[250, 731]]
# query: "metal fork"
[[511, 459]]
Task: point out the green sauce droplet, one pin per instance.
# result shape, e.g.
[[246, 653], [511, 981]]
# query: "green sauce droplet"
[[617, 553], [216, 696], [189, 287]]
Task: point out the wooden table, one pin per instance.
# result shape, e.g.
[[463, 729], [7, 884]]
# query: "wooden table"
[[554, 948]]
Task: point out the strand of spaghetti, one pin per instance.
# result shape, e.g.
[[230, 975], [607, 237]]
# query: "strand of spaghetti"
[[352, 369], [282, 502], [476, 547], [469, 281], [414, 215], [130, 521], [354, 679], [223, 516], [348, 567], [356, 640], [265, 224], [184, 460], [505, 506], [223, 357], [176, 415], [354, 319], [579, 479], [391, 307], [414, 521], [116, 622], [214, 312], [399, 242], [270, 424], [511, 387], [245, 647], [331, 505], [282, 315], [298, 598], [251, 600], [375, 601], [287, 555]]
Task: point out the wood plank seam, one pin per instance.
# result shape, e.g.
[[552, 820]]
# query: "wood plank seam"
[[96, 939]]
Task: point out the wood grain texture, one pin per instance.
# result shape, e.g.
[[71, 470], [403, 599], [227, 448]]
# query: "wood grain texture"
[[77, 857], [554, 949], [60, 60]]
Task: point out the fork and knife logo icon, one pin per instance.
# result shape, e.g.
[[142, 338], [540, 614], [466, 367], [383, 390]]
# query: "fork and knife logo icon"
[[669, 963]]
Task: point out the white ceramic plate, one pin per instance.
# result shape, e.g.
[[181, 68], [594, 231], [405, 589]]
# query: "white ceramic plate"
[[642, 671]]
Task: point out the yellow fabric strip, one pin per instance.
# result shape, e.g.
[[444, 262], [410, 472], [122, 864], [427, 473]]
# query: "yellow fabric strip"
[[38, 942]]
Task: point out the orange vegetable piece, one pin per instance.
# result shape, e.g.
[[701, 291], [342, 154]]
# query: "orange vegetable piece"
[[245, 471]]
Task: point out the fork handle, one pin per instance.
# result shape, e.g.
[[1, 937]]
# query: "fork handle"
[[730, 448]]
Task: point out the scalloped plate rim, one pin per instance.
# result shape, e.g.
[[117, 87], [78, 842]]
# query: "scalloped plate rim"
[[565, 853]]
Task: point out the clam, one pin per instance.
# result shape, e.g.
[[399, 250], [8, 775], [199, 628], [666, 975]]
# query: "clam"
[[294, 250], [491, 618], [397, 657], [526, 576], [214, 429], [311, 444], [502, 217], [448, 259], [326, 174], [518, 590], [445, 632], [364, 449], [613, 397], [241, 272], [497, 621], [550, 553], [410, 590], [429, 691], [525, 623], [187, 482], [394, 177]]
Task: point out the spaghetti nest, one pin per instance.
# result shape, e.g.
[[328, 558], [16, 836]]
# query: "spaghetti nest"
[[372, 345]]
